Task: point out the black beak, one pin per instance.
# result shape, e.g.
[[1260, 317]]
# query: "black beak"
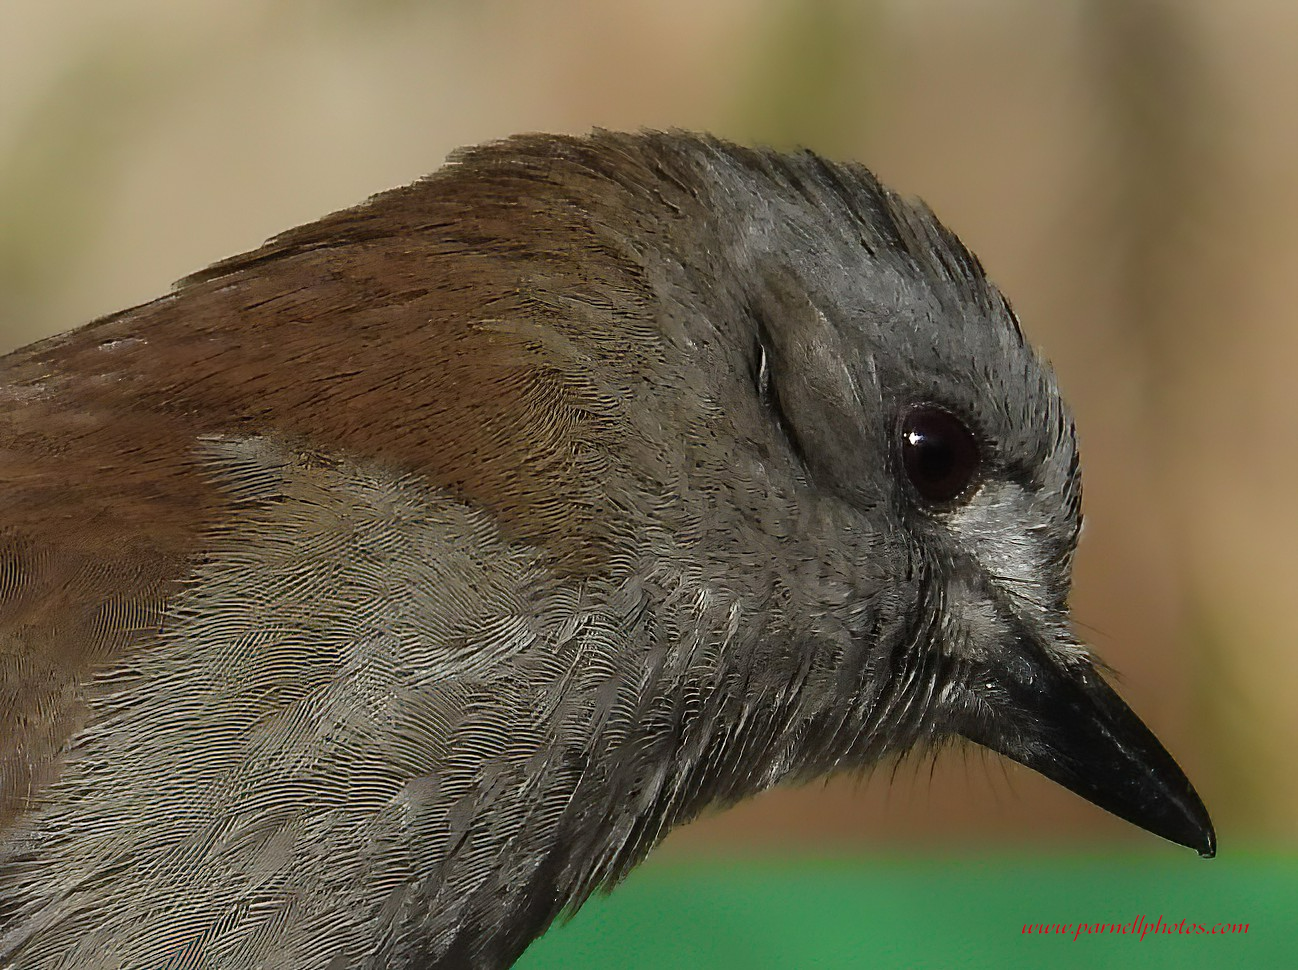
[[1072, 727]]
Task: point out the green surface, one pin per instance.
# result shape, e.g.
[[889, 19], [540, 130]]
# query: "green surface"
[[952, 912]]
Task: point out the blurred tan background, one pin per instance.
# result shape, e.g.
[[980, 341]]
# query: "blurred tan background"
[[1125, 168]]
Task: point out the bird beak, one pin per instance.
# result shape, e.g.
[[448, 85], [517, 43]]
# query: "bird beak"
[[1068, 724]]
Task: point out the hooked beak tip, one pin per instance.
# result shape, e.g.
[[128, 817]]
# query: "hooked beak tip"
[[1068, 724]]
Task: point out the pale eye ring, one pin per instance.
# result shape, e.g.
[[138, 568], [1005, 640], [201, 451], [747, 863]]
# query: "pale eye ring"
[[939, 453]]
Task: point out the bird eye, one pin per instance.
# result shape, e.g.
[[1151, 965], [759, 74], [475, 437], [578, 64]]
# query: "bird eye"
[[939, 453]]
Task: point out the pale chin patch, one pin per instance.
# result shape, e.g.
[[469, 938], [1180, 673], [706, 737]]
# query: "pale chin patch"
[[999, 528], [1002, 530]]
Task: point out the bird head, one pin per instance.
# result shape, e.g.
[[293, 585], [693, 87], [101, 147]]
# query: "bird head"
[[890, 485]]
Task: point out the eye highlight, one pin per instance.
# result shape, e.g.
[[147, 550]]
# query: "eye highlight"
[[939, 453]]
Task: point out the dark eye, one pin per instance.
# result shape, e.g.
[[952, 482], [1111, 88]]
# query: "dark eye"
[[939, 453]]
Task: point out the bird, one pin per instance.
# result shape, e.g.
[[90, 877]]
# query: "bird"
[[375, 597]]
